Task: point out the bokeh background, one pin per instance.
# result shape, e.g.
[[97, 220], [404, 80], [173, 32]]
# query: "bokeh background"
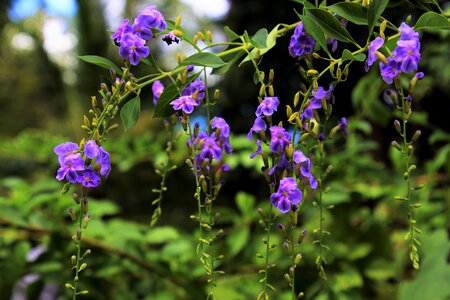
[[45, 89]]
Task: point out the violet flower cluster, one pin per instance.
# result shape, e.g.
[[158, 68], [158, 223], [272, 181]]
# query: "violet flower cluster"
[[75, 169], [405, 57], [191, 96], [131, 39], [211, 147], [288, 194], [316, 101], [301, 42]]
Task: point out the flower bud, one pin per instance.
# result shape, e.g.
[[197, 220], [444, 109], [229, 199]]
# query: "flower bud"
[[296, 98], [298, 258], [302, 236], [398, 126], [216, 94], [86, 253], [282, 230], [195, 39], [288, 111], [85, 205], [178, 21], [72, 214], [396, 145], [410, 150], [381, 57], [271, 91], [416, 135], [201, 35], [73, 260], [82, 267], [209, 36], [312, 72], [86, 220], [383, 28]]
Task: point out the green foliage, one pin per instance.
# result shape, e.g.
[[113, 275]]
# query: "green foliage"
[[130, 112]]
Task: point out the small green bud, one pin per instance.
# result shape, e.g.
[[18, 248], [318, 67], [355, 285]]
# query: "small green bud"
[[73, 260], [298, 258], [396, 145], [416, 135], [398, 126]]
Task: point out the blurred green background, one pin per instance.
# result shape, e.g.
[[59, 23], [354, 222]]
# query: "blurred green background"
[[45, 90]]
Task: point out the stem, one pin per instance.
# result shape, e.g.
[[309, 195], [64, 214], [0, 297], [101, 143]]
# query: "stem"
[[79, 237], [268, 228], [293, 226]]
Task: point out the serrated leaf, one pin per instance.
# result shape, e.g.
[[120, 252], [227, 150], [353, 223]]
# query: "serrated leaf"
[[432, 20], [130, 112], [163, 108], [315, 31], [347, 55], [203, 59], [376, 8], [259, 40], [330, 25], [101, 62], [354, 12]]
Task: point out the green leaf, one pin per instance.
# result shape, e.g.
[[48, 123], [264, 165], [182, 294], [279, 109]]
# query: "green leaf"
[[330, 25], [162, 234], [163, 108], [354, 12], [130, 112], [101, 62], [305, 3], [347, 55], [260, 38], [432, 20], [245, 202], [237, 240], [270, 43], [376, 8], [230, 61], [315, 31], [230, 34], [204, 59]]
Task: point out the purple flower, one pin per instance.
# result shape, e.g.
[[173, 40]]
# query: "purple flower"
[[150, 17], [210, 149], [196, 85], [405, 57], [267, 106], [301, 42], [123, 29], [157, 89], [88, 178], [390, 70], [258, 125], [316, 101], [171, 38], [91, 149], [279, 139], [64, 150], [419, 75], [141, 30], [304, 164], [287, 195], [189, 68], [69, 167], [222, 133], [258, 150], [133, 48], [280, 166], [333, 42], [371, 56], [220, 124], [104, 160], [185, 103], [343, 126]]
